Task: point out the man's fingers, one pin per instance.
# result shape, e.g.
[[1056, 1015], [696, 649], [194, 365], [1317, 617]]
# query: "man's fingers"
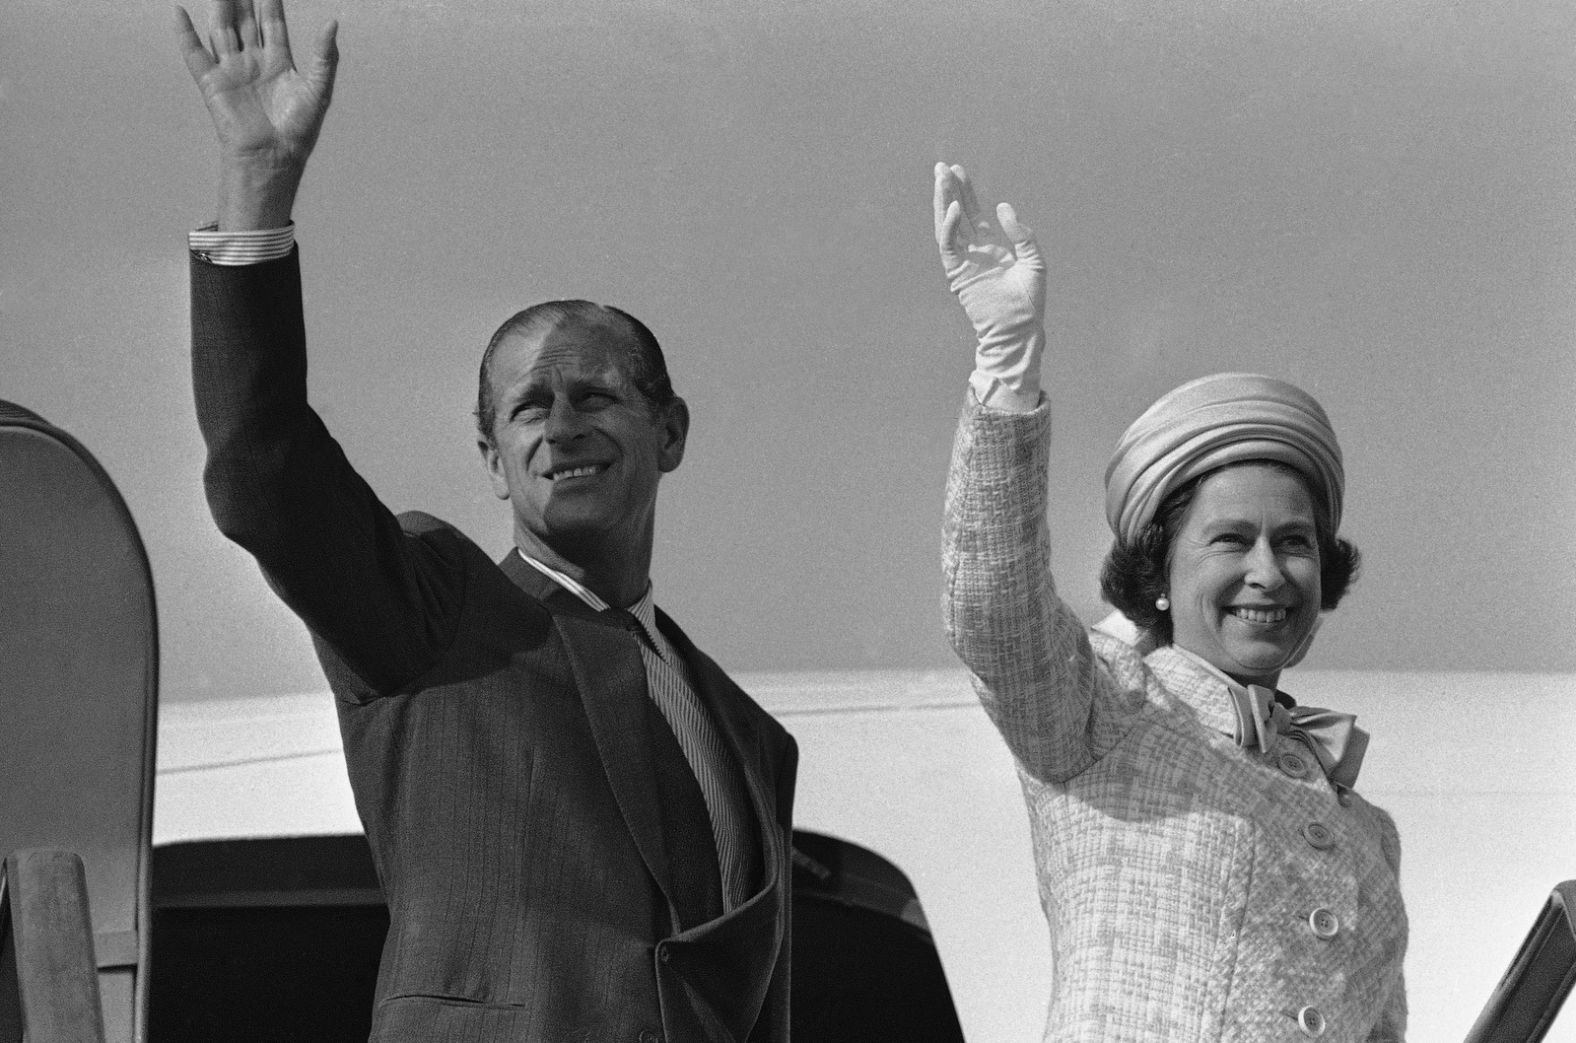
[[271, 22], [246, 25], [325, 60], [222, 19], [198, 60]]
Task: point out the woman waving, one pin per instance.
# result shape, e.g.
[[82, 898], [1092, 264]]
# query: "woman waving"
[[1207, 866]]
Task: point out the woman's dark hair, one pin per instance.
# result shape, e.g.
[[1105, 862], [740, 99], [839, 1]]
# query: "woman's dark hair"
[[1135, 574]]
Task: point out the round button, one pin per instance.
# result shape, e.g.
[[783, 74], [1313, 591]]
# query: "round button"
[[1325, 924], [649, 1036], [1292, 764], [1345, 797], [1318, 835], [1311, 1022]]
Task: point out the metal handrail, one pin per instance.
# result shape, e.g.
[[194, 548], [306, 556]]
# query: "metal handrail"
[[1524, 1004], [86, 579], [47, 936]]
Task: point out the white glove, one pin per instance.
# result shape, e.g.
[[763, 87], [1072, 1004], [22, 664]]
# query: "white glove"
[[998, 274]]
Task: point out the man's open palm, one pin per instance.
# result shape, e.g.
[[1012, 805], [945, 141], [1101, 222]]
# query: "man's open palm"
[[264, 109]]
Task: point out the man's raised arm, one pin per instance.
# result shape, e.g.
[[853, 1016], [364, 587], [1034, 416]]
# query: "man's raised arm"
[[276, 481]]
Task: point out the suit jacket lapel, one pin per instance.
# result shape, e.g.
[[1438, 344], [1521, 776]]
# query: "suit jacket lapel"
[[651, 781]]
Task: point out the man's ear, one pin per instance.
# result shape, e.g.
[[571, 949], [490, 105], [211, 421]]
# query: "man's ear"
[[494, 464], [673, 425]]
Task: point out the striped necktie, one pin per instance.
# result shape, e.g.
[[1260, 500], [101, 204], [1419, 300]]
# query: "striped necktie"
[[721, 784]]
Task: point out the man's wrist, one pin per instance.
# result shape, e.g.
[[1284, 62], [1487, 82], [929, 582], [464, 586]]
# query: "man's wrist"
[[256, 196]]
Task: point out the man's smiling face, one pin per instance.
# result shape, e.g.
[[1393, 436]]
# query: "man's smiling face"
[[576, 448]]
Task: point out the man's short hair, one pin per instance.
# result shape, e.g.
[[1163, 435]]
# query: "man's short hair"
[[648, 369]]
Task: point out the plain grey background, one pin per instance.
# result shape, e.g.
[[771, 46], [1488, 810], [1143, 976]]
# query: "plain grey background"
[[1372, 199]]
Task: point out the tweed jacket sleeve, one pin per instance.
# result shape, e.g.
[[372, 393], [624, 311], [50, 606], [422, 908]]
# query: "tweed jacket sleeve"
[[1055, 702], [1391, 1026]]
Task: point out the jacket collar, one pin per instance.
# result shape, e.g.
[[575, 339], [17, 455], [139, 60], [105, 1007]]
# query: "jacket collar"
[[1204, 691]]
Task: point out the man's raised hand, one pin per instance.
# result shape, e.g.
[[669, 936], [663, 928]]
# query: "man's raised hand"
[[267, 112]]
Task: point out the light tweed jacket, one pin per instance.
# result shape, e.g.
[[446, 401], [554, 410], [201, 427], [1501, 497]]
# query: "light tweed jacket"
[[1195, 890]]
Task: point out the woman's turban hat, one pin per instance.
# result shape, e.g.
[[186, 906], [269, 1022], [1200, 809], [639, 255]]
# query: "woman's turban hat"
[[1205, 424]]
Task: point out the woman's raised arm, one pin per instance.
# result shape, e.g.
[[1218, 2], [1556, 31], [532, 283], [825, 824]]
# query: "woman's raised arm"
[[1033, 667]]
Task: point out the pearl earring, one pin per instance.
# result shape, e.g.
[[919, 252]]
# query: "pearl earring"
[[1163, 603]]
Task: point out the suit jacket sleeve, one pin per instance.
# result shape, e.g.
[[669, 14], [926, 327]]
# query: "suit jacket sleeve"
[[279, 485], [1051, 697]]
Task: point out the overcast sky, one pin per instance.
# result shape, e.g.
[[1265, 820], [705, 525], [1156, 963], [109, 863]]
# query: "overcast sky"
[[1373, 199]]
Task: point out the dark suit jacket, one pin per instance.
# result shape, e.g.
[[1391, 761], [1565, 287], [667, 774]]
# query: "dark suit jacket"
[[543, 846]]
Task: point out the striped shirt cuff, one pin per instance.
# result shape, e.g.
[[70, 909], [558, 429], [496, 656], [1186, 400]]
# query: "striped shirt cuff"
[[238, 248]]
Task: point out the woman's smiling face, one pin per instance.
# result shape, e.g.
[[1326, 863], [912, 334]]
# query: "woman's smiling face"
[[1244, 571]]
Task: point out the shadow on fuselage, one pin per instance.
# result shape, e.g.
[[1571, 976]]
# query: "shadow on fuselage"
[[266, 940]]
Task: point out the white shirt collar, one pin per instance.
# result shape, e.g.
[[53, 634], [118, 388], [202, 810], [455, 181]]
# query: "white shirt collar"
[[644, 610], [574, 586]]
